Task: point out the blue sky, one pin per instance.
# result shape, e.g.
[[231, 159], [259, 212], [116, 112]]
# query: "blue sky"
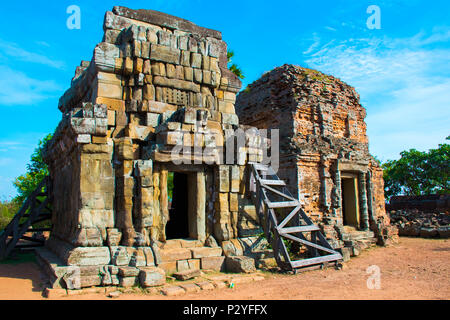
[[402, 71]]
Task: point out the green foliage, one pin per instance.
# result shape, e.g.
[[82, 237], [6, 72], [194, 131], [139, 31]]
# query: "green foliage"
[[36, 171], [233, 67], [7, 211], [418, 173]]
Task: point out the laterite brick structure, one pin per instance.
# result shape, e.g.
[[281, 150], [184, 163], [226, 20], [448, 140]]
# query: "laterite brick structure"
[[324, 153]]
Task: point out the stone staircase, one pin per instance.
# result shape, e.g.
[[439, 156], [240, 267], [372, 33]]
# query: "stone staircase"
[[355, 240]]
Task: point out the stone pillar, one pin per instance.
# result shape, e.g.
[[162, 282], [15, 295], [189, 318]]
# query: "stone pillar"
[[370, 197], [199, 226], [163, 201], [143, 214], [337, 201], [323, 186], [125, 190], [363, 197], [201, 207]]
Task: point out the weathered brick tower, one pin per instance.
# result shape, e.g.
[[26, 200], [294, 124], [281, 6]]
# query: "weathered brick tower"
[[324, 154]]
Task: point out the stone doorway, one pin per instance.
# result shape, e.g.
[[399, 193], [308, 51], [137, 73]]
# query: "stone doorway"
[[178, 225], [350, 200], [186, 205]]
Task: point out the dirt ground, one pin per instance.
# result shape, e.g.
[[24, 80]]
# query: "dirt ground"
[[413, 269]]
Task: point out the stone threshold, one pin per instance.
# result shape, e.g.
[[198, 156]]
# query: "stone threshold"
[[203, 283]]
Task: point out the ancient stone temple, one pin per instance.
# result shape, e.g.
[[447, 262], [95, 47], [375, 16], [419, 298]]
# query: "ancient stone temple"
[[155, 83], [324, 155], [145, 177]]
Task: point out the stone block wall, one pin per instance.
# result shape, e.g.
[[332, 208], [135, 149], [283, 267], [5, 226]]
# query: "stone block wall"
[[157, 97], [425, 216]]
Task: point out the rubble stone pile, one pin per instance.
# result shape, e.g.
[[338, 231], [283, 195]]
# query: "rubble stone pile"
[[421, 216]]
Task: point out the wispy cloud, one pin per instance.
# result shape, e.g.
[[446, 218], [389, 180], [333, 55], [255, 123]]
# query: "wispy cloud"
[[16, 88], [403, 82], [14, 51]]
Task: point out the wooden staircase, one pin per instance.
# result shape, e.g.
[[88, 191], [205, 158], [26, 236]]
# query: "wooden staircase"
[[271, 197], [35, 210]]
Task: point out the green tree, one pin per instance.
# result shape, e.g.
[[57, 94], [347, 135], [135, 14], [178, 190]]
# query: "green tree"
[[36, 171], [418, 173], [233, 67]]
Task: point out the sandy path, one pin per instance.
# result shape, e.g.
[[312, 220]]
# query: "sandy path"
[[413, 269]]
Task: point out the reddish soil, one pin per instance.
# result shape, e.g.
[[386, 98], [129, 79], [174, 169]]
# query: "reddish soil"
[[413, 269]]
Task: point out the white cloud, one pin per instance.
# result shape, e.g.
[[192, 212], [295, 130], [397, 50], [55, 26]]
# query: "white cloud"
[[16, 88], [404, 84], [14, 51]]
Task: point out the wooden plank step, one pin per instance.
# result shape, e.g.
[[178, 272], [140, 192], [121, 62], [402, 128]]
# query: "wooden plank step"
[[261, 167], [298, 229], [318, 260], [39, 230], [272, 182], [283, 204]]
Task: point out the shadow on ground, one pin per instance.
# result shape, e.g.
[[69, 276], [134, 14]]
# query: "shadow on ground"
[[22, 266]]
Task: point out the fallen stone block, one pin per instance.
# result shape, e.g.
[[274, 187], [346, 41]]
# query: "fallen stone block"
[[205, 285], [114, 294], [190, 287], [152, 277], [186, 275], [213, 263], [240, 264], [173, 291]]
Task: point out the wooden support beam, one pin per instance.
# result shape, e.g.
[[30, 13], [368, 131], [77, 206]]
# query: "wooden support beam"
[[272, 182], [284, 204], [318, 260], [298, 229]]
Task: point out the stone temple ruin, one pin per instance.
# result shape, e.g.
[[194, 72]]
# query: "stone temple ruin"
[[157, 104], [324, 155]]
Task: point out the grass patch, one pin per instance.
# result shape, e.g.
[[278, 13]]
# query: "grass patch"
[[7, 211]]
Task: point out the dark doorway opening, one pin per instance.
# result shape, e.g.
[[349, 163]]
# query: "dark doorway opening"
[[350, 203], [178, 225]]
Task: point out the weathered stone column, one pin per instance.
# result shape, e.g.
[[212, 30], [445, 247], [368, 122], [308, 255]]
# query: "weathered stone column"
[[143, 215], [125, 190], [337, 201], [197, 228], [363, 196], [370, 197], [163, 201], [323, 186]]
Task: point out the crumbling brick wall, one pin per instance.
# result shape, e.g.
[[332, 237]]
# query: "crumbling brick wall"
[[322, 137]]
